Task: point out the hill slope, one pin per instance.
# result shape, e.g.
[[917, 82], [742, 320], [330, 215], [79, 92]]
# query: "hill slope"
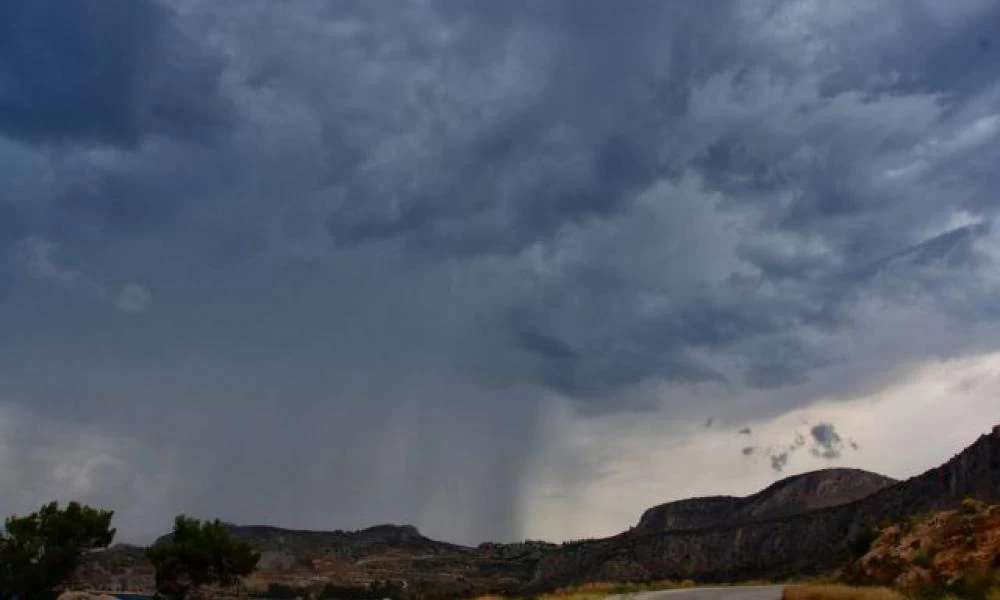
[[957, 551]]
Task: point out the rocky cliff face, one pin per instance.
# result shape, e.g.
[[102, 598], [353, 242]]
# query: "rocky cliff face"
[[797, 526], [788, 497]]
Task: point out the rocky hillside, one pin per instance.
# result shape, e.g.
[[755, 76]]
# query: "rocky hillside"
[[790, 496], [120, 568], [955, 551], [797, 526], [387, 558], [377, 562]]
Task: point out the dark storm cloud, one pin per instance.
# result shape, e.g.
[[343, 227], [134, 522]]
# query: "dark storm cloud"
[[827, 443], [592, 130], [100, 70], [383, 235], [837, 218]]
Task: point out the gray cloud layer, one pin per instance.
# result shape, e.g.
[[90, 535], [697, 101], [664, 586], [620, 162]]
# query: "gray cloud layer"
[[355, 247]]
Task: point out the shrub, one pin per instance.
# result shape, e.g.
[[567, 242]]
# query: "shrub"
[[199, 554], [977, 583], [921, 559], [971, 505]]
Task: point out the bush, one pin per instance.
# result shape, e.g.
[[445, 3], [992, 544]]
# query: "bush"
[[921, 559], [971, 505], [978, 583], [199, 554]]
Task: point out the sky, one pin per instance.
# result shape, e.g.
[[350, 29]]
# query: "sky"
[[500, 270]]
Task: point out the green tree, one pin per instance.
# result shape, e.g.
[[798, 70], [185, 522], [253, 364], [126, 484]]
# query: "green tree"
[[42, 550], [198, 554]]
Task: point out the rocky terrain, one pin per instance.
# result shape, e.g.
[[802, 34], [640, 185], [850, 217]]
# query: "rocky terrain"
[[120, 568], [798, 526], [386, 560], [956, 551]]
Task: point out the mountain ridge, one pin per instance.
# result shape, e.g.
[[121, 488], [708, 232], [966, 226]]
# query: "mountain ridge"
[[785, 497], [805, 543], [788, 536]]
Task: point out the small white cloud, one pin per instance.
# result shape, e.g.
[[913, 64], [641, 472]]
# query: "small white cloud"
[[133, 298]]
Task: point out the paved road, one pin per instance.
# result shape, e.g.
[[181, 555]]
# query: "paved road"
[[769, 592]]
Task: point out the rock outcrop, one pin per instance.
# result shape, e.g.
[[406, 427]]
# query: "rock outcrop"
[[955, 551]]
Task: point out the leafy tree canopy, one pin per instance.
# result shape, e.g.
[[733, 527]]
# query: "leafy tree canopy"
[[42, 550], [198, 554]]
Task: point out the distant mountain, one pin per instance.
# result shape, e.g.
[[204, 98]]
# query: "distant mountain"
[[790, 496], [797, 526]]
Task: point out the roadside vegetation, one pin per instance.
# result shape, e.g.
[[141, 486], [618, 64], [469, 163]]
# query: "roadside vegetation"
[[197, 555], [40, 552], [840, 592], [602, 589], [598, 590]]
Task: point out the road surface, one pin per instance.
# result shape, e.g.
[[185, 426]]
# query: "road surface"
[[767, 592]]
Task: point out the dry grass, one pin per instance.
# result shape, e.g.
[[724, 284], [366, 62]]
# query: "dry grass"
[[597, 590], [839, 592]]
